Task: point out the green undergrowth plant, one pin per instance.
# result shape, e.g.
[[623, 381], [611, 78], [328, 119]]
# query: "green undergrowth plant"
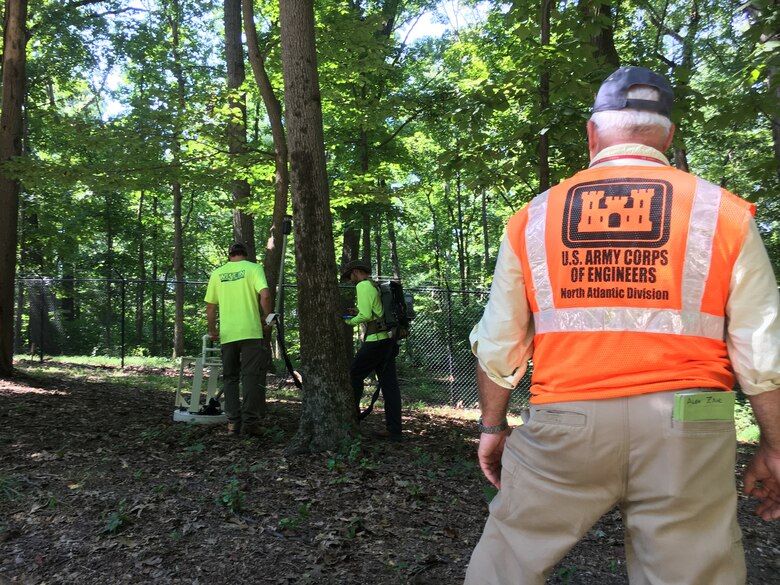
[[300, 517], [9, 488], [117, 519], [232, 496]]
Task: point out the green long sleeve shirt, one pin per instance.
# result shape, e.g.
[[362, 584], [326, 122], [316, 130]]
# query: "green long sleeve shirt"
[[369, 307]]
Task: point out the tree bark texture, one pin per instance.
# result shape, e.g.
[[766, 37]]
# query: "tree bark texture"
[[11, 117], [393, 243], [176, 188], [328, 415], [243, 225], [273, 108], [351, 245], [603, 42], [378, 245]]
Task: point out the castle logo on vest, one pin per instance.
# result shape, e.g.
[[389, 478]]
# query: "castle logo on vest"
[[618, 212]]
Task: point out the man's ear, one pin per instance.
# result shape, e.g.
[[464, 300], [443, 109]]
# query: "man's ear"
[[593, 139], [669, 139]]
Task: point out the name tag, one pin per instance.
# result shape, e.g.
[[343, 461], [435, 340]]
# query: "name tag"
[[703, 406]]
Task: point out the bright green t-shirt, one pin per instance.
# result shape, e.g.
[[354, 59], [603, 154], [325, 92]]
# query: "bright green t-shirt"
[[369, 306], [234, 287]]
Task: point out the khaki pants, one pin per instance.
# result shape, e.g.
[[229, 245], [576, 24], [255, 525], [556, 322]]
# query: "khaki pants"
[[573, 461]]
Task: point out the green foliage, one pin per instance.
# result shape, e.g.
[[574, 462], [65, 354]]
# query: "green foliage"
[[117, 519], [301, 516], [438, 137], [490, 492], [9, 487], [233, 496], [566, 574], [745, 423]]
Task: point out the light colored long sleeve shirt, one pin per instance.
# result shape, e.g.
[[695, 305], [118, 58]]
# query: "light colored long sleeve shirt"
[[502, 341]]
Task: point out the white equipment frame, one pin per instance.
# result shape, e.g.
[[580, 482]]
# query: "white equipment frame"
[[190, 410]]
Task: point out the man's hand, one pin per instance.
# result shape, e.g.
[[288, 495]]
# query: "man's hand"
[[762, 481], [213, 334], [491, 448]]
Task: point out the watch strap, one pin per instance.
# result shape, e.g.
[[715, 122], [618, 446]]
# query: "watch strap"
[[494, 429]]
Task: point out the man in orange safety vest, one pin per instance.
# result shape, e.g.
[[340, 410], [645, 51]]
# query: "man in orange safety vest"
[[643, 295]]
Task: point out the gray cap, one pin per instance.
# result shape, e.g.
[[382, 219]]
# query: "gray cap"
[[350, 266], [613, 92]]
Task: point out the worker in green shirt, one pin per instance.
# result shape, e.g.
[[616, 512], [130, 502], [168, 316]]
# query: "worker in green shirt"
[[378, 351], [234, 289]]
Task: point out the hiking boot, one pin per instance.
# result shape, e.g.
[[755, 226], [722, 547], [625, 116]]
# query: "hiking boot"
[[387, 435], [253, 430], [233, 428]]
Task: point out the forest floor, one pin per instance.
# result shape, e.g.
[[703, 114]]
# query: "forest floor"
[[98, 485]]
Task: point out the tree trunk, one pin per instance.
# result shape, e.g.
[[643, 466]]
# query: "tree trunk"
[[176, 188], [462, 251], [155, 350], [243, 225], [366, 255], [351, 245], [544, 100], [603, 42], [14, 59], [178, 272], [139, 291], [273, 250], [682, 91], [393, 243], [485, 236], [378, 245], [328, 411], [436, 245]]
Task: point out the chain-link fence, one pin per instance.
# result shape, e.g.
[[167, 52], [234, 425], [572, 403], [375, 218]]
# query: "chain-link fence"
[[122, 318]]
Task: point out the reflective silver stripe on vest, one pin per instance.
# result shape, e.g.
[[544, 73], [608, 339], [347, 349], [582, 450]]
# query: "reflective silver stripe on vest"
[[698, 250], [688, 321], [630, 319], [537, 251]]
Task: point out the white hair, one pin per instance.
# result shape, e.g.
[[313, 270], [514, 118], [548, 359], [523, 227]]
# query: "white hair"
[[633, 122]]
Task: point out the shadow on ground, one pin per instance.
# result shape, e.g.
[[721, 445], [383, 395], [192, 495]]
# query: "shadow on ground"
[[98, 485]]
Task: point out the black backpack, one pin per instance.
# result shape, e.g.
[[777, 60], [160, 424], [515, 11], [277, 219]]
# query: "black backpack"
[[398, 308]]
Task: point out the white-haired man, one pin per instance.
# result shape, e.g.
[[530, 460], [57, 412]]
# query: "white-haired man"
[[641, 292]]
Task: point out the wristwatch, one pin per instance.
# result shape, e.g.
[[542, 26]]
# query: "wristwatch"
[[492, 430]]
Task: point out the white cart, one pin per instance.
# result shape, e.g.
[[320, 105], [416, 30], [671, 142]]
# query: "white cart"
[[200, 408]]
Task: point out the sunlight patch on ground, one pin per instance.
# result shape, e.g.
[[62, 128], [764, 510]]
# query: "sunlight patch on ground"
[[10, 388]]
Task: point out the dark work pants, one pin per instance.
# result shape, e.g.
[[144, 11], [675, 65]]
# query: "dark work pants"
[[246, 360], [379, 357]]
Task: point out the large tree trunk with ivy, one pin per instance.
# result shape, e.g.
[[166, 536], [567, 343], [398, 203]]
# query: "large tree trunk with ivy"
[[14, 59], [329, 415]]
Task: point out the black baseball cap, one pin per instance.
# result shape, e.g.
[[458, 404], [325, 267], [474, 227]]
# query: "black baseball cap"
[[613, 92]]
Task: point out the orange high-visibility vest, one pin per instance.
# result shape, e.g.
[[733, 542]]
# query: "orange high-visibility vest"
[[628, 280]]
